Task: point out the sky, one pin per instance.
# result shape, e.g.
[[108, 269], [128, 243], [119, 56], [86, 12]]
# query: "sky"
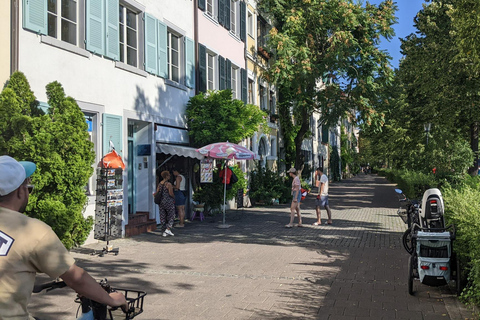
[[407, 10]]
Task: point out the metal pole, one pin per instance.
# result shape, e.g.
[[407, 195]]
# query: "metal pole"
[[224, 191]]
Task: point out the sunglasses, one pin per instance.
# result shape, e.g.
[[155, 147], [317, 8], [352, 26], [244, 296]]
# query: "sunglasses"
[[30, 188]]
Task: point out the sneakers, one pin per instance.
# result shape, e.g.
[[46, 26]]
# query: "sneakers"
[[168, 232]]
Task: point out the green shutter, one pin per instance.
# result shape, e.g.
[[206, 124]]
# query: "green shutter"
[[162, 50], [243, 21], [112, 131], [228, 69], [227, 14], [35, 16], [95, 29], [325, 134], [150, 44], [201, 5], [244, 79], [202, 68], [221, 12], [189, 63], [221, 72], [112, 44]]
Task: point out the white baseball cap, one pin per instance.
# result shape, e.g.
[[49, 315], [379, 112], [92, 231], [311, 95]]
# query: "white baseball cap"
[[13, 173], [292, 170]]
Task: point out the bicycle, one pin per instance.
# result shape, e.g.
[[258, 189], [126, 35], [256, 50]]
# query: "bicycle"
[[412, 220], [92, 310]]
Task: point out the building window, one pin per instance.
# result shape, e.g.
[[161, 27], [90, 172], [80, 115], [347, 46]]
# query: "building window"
[[62, 20], [210, 7], [234, 82], [250, 23], [263, 97], [233, 21], [173, 47], [210, 72], [272, 103], [251, 100], [128, 36], [261, 33]]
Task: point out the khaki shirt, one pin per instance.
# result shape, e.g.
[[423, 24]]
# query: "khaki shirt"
[[27, 246]]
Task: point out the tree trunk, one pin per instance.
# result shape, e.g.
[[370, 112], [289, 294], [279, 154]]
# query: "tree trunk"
[[299, 158], [473, 171]]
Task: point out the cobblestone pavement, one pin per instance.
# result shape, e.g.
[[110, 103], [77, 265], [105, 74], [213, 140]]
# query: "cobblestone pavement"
[[258, 269]]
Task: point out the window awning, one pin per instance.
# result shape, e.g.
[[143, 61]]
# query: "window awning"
[[180, 151]]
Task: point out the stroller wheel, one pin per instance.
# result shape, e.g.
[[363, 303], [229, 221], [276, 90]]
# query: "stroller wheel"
[[410, 274], [407, 241]]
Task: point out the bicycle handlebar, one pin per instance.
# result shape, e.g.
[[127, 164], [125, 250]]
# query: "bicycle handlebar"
[[55, 284]]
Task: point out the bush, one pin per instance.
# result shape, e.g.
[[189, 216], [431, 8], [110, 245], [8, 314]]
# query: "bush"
[[462, 208], [266, 185], [412, 183]]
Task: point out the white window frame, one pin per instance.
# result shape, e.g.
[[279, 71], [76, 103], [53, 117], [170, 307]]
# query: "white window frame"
[[124, 28], [251, 91], [263, 103], [211, 58], [211, 11], [233, 17], [170, 52], [234, 84], [59, 19], [250, 26]]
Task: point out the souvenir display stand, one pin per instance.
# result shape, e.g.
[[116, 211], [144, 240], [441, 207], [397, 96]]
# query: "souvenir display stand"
[[109, 207]]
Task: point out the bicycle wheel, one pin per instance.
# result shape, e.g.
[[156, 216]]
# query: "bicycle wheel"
[[410, 275], [407, 241]]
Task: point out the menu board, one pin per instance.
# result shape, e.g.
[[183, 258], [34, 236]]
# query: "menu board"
[[206, 170]]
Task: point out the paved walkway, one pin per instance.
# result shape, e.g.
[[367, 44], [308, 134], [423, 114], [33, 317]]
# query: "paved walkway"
[[258, 269]]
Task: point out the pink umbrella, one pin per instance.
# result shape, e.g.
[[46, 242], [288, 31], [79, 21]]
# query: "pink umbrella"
[[226, 150]]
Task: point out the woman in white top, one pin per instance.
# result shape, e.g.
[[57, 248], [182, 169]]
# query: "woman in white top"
[[180, 199], [297, 195]]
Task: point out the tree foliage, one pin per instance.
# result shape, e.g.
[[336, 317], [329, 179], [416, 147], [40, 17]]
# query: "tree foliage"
[[58, 143], [338, 40], [216, 117]]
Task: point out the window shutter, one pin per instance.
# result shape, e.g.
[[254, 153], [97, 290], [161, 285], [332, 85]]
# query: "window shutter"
[[150, 44], [243, 79], [227, 14], [162, 50], [202, 68], [325, 134], [189, 63], [243, 22], [112, 131], [112, 44], [221, 12], [201, 5], [35, 16], [228, 69], [221, 72], [95, 33]]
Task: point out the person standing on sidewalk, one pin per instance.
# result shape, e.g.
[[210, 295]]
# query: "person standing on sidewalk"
[[179, 191], [322, 197], [297, 195], [29, 246], [167, 206]]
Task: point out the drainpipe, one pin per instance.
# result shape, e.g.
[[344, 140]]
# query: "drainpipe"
[[14, 17], [195, 40]]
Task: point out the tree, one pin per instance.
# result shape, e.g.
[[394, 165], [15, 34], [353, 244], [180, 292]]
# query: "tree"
[[216, 117], [325, 57], [440, 87], [58, 143]]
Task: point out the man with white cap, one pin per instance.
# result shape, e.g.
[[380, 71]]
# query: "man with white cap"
[[29, 246]]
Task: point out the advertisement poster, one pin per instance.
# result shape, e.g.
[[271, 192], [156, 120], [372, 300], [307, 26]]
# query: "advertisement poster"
[[206, 171]]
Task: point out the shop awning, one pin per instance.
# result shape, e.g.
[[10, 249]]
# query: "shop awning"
[[180, 151]]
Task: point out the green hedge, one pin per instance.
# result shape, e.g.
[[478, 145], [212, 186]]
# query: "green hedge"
[[412, 183]]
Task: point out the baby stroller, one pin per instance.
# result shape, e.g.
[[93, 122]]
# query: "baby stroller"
[[432, 260]]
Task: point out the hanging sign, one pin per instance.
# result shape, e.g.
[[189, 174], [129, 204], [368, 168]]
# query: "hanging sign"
[[206, 170]]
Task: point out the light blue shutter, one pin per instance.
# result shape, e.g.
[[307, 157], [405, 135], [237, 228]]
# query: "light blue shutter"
[[112, 131], [112, 44], [95, 33], [202, 68], [243, 80], [162, 50], [228, 68], [221, 12], [243, 21], [189, 63], [35, 15], [221, 73], [150, 44]]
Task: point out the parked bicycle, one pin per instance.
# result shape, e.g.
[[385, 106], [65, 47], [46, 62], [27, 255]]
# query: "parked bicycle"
[[92, 310], [410, 216]]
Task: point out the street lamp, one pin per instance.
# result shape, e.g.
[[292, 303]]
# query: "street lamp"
[[427, 127]]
